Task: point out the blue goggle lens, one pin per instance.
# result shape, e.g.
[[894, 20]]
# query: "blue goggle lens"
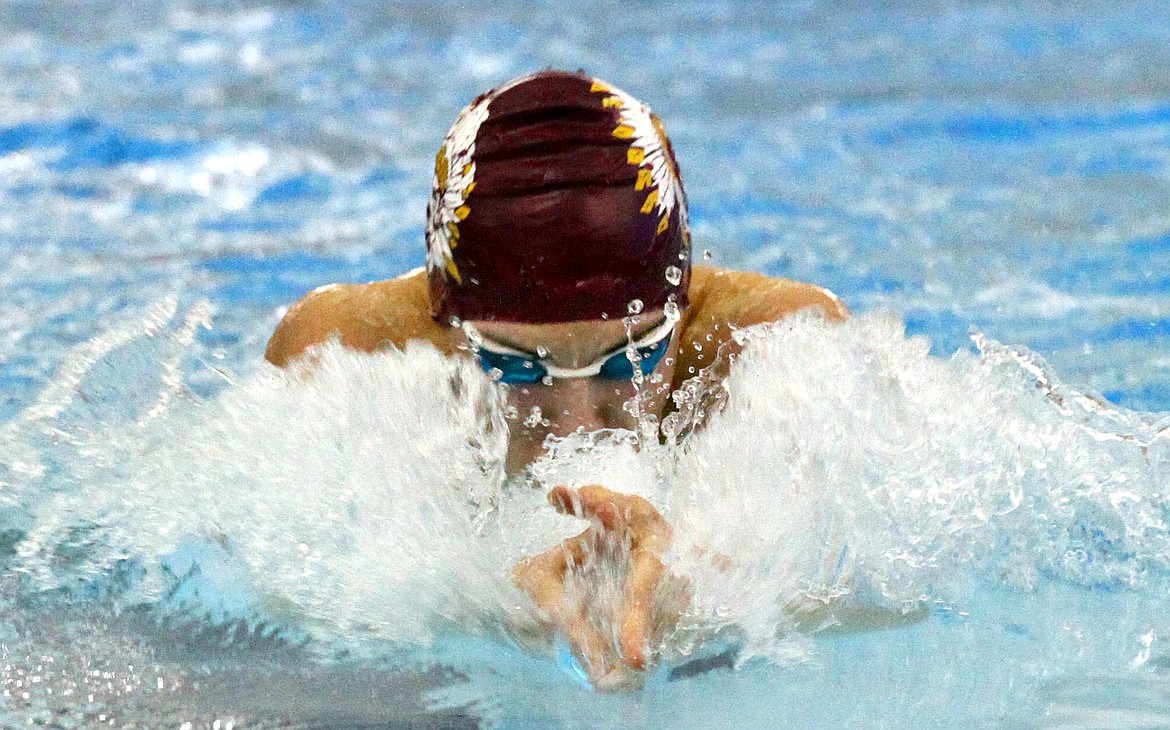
[[619, 366], [517, 370]]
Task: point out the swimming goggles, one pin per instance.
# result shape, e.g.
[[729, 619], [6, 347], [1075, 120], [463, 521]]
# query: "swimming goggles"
[[517, 367]]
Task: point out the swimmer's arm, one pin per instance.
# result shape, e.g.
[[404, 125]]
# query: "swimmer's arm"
[[744, 298], [319, 315], [787, 297], [723, 300], [364, 317]]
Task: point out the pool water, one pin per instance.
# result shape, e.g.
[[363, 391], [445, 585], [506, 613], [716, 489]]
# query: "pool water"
[[175, 174]]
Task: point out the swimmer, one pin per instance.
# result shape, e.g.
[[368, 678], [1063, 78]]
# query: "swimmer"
[[557, 242]]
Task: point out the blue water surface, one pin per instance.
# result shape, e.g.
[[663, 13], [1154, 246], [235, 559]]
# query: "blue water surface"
[[1003, 166]]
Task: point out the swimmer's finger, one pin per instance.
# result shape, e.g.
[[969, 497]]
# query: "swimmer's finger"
[[645, 574], [591, 502], [543, 577], [647, 523], [589, 646], [561, 497], [618, 511]]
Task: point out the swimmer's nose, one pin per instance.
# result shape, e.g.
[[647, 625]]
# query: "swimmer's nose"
[[578, 403]]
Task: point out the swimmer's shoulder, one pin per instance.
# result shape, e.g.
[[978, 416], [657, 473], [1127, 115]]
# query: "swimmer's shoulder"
[[743, 298], [723, 300], [364, 317]]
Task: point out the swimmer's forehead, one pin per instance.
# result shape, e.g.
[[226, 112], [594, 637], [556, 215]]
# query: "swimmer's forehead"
[[600, 334]]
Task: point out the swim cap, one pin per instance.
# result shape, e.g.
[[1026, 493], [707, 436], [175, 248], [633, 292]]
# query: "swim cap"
[[556, 198]]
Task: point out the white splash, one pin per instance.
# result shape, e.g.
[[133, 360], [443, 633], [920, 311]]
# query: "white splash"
[[839, 466]]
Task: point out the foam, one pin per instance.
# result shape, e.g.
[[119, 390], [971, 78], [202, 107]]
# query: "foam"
[[364, 503]]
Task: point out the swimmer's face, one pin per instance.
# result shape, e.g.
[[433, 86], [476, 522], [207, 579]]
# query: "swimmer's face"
[[566, 404]]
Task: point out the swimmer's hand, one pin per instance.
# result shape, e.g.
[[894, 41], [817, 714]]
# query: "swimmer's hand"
[[624, 528]]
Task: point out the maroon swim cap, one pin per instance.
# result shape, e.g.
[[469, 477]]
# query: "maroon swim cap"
[[556, 198]]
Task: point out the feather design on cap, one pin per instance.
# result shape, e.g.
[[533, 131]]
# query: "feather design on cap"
[[647, 151], [453, 181]]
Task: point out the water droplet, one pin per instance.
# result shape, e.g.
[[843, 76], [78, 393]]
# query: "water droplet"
[[455, 321], [605, 315], [670, 309], [534, 417], [542, 351], [547, 380], [635, 306], [495, 373], [683, 255], [674, 275], [528, 364], [706, 254]]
